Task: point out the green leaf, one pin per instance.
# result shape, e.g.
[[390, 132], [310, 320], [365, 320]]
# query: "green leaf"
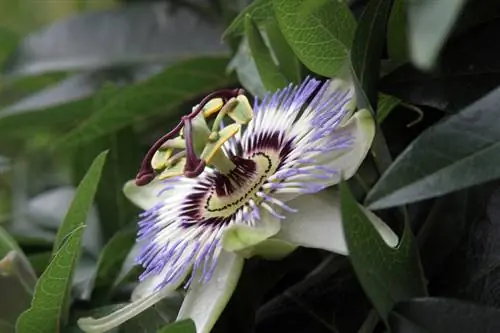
[[445, 227], [386, 103], [111, 260], [320, 34], [397, 44], [429, 24], [77, 212], [287, 61], [424, 315], [22, 123], [259, 10], [127, 35], [73, 88], [246, 70], [367, 48], [271, 76], [125, 154], [388, 275], [460, 80], [48, 309], [183, 326], [459, 152], [177, 84]]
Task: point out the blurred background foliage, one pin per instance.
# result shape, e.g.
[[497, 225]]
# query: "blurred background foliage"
[[82, 76]]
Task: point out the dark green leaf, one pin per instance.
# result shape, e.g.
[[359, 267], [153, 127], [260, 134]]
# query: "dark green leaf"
[[443, 229], [77, 212], [125, 155], [429, 24], [436, 315], [319, 34], [84, 273], [130, 270], [460, 80], [111, 260], [47, 210], [259, 10], [271, 76], [459, 152], [388, 275], [368, 45], [125, 35], [73, 88], [57, 118], [184, 326], [397, 44], [471, 271], [287, 61], [48, 309], [386, 103], [246, 70], [257, 280], [175, 85], [65, 103]]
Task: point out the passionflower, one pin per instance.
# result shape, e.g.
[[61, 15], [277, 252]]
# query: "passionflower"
[[213, 195]]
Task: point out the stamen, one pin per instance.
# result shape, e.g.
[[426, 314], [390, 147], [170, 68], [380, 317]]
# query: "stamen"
[[146, 173], [272, 211], [276, 202]]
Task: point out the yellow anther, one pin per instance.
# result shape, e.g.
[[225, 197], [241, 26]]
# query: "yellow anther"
[[242, 112], [160, 158], [213, 106], [173, 171], [212, 148]]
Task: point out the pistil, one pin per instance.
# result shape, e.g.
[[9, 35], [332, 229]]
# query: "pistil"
[[194, 165]]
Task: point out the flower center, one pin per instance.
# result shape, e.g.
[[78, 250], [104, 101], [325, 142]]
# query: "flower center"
[[227, 194], [232, 191]]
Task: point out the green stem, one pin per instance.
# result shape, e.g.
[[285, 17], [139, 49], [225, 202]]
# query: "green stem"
[[380, 152], [370, 322]]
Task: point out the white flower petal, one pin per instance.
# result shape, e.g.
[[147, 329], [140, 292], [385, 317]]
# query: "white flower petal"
[[149, 285], [145, 196], [205, 302], [92, 325], [143, 297], [318, 224], [361, 127]]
